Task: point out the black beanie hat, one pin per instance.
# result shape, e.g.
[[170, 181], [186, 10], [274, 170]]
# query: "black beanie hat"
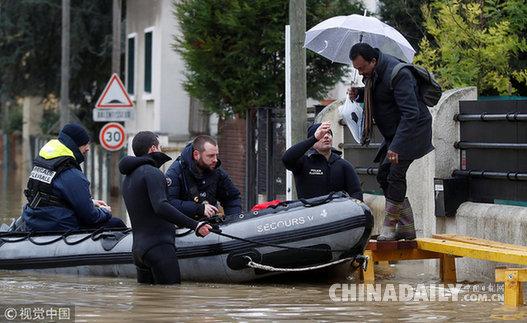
[[76, 132], [313, 128]]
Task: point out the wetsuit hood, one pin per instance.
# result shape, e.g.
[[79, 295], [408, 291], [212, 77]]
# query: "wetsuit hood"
[[188, 161], [130, 163]]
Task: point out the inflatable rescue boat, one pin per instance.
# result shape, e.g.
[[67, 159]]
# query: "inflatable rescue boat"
[[294, 235]]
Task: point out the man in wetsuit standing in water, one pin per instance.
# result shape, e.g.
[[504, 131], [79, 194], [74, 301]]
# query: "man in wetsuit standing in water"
[[152, 217]]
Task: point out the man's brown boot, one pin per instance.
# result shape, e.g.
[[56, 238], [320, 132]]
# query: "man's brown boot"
[[392, 212], [405, 227]]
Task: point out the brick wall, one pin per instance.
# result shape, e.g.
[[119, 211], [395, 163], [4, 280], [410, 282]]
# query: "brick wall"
[[232, 145]]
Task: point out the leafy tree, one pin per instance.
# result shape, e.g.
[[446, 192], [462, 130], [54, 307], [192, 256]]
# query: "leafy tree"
[[476, 43], [30, 50], [406, 17], [234, 51]]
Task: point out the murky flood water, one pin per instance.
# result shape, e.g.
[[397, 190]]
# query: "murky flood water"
[[117, 299], [113, 299]]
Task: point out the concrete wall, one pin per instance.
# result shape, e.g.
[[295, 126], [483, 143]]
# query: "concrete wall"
[[493, 222]]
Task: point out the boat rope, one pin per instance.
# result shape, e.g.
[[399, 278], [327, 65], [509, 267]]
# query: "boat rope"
[[251, 263], [24, 237], [30, 236], [264, 244], [30, 239], [93, 236]]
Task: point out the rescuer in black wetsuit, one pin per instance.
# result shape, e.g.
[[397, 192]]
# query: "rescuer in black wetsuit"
[[152, 217]]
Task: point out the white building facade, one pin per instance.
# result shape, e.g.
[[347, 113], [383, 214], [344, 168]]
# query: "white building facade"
[[154, 72]]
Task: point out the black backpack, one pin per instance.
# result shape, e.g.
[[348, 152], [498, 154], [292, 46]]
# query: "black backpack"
[[429, 89]]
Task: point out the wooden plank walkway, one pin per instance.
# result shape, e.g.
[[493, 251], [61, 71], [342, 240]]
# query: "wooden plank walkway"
[[446, 247], [481, 242], [406, 250], [476, 251]]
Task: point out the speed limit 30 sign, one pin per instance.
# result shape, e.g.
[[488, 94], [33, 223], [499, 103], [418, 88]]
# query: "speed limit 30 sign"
[[112, 136]]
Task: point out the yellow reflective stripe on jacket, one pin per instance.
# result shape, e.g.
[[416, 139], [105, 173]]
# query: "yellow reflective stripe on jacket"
[[54, 149]]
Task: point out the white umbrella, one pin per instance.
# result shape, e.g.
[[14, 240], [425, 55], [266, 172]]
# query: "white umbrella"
[[334, 37]]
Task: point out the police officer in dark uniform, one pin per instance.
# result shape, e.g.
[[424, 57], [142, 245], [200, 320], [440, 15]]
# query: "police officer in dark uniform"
[[58, 192], [152, 216], [318, 168], [197, 182]]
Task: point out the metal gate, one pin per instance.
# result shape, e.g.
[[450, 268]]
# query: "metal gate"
[[493, 146], [265, 177]]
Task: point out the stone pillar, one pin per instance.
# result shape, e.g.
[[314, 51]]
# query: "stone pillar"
[[438, 164], [331, 113], [33, 109], [446, 157]]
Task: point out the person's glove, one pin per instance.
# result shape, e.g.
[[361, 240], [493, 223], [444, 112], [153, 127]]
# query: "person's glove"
[[215, 228]]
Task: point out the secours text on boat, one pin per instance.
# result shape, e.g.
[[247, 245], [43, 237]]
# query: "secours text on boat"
[[297, 234]]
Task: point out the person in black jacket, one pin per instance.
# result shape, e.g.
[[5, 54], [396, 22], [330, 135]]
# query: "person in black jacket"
[[152, 216], [197, 182], [406, 126], [318, 168]]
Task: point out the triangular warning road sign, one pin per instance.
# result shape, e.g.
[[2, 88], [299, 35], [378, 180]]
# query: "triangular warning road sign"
[[114, 95]]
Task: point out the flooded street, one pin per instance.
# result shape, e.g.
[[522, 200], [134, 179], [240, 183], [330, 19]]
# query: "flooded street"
[[321, 161], [113, 300], [101, 299]]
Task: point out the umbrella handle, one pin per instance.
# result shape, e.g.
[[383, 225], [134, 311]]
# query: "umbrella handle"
[[325, 47]]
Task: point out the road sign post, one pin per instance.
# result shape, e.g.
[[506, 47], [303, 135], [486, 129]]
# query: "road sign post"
[[114, 104], [112, 136], [112, 114]]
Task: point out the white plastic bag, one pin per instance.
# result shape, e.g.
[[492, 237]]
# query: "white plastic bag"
[[351, 113]]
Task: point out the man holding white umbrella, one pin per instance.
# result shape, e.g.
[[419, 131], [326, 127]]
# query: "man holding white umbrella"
[[406, 126], [397, 108], [333, 38]]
